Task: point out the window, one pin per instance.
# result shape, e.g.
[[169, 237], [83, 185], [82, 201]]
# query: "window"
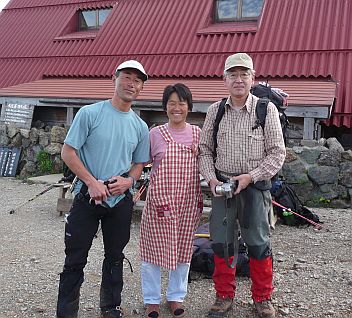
[[92, 19], [237, 10]]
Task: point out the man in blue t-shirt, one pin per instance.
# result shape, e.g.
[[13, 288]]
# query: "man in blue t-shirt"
[[106, 147]]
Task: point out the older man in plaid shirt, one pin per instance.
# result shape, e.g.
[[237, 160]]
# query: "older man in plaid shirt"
[[249, 155]]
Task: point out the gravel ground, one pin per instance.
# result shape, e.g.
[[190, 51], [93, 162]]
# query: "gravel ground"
[[313, 269]]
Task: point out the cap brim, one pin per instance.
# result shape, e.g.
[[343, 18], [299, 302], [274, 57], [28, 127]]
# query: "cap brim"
[[143, 75]]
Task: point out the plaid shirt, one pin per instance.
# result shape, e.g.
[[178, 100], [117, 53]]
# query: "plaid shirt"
[[240, 149]]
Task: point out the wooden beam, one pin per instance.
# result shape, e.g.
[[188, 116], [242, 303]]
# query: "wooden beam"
[[308, 130]]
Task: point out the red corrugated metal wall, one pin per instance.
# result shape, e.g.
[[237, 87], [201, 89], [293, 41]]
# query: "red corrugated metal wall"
[[295, 38]]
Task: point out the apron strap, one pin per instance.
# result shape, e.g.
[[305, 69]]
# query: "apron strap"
[[195, 134], [165, 133]]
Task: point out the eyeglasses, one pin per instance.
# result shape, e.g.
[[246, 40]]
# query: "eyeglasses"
[[242, 75]]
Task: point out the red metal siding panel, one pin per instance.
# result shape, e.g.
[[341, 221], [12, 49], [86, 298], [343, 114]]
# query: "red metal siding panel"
[[302, 92], [300, 38]]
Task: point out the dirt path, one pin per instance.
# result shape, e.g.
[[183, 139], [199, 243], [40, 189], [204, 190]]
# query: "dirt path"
[[313, 269]]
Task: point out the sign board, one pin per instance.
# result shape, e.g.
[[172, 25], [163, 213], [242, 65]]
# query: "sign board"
[[9, 158], [18, 114]]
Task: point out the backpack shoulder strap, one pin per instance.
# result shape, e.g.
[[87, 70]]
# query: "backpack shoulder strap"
[[261, 110], [219, 115]]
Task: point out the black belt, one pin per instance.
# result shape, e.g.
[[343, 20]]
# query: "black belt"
[[84, 194]]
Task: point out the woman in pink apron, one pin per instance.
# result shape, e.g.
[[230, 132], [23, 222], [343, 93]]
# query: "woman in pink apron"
[[173, 205]]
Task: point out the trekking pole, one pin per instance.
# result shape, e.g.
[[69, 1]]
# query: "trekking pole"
[[318, 226], [141, 191], [31, 199]]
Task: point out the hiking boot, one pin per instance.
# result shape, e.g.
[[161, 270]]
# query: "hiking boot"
[[220, 307], [265, 309], [112, 313]]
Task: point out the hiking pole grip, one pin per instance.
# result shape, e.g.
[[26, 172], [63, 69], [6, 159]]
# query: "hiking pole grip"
[[318, 226]]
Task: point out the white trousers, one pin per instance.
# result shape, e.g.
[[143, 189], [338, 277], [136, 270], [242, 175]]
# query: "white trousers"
[[151, 283]]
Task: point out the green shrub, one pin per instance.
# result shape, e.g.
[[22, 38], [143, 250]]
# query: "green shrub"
[[45, 163]]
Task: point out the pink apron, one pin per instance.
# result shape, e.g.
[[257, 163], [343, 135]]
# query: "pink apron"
[[173, 206]]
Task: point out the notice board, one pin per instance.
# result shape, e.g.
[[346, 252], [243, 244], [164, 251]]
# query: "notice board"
[[9, 157], [18, 114]]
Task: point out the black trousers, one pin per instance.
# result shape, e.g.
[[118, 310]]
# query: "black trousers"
[[82, 224]]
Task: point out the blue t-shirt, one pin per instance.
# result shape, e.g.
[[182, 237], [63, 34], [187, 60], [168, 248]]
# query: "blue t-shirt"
[[107, 141]]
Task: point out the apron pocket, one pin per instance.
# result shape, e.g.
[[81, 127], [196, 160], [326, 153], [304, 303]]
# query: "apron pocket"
[[163, 213]]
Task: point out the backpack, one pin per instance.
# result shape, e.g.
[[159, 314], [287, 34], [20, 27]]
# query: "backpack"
[[203, 255], [266, 94], [68, 175], [283, 194]]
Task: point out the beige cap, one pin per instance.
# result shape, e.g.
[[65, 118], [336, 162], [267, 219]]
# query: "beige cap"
[[133, 64], [238, 59]]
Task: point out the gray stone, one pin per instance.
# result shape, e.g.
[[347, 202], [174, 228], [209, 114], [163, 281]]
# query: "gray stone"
[[309, 143], [295, 172], [346, 174], [43, 138], [350, 194], [294, 134], [340, 204], [58, 134], [297, 149], [333, 144], [12, 130], [311, 155], [31, 153], [16, 141], [323, 174], [322, 141], [292, 143], [57, 164], [284, 311], [26, 143], [4, 140], [332, 157], [342, 191], [3, 130], [25, 133], [34, 135], [347, 155], [54, 148], [329, 191], [303, 190], [28, 169]]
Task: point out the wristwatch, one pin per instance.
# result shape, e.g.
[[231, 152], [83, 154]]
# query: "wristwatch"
[[133, 181]]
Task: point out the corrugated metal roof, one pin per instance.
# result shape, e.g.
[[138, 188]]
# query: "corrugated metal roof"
[[302, 92], [298, 39]]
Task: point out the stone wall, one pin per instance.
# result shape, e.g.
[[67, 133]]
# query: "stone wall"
[[320, 175], [33, 141]]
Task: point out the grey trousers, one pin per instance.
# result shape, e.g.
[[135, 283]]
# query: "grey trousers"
[[248, 212]]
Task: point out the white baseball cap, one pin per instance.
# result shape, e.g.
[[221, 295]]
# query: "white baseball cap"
[[133, 64], [238, 59]]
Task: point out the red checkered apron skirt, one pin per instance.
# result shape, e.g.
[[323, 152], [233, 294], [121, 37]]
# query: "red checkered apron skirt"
[[173, 206]]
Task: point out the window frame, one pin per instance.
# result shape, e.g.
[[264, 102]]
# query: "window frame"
[[239, 17], [97, 17]]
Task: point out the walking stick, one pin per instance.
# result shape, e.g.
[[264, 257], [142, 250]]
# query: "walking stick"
[[140, 191], [318, 226], [31, 199]]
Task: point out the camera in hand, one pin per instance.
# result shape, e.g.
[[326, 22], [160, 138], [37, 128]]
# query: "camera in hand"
[[227, 189]]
